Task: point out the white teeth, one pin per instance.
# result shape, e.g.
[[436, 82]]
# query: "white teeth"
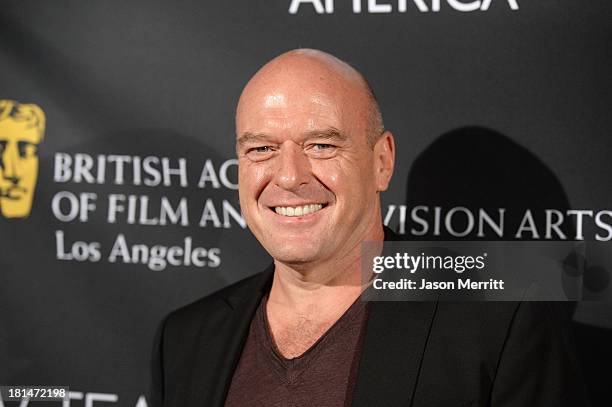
[[298, 210]]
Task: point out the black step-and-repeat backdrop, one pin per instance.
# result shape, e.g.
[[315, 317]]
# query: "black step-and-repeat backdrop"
[[118, 181]]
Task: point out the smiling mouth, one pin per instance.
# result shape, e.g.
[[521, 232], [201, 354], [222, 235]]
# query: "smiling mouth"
[[302, 210]]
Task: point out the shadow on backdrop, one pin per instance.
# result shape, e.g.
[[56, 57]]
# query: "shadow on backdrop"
[[479, 168]]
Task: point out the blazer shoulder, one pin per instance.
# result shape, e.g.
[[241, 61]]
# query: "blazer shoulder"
[[195, 311], [505, 314]]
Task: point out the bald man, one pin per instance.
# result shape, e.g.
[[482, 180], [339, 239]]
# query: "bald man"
[[313, 159]]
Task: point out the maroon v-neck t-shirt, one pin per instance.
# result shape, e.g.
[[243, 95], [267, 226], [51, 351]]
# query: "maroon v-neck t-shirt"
[[324, 375]]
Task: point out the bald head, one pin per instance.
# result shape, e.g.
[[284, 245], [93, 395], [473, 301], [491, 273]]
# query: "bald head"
[[312, 73]]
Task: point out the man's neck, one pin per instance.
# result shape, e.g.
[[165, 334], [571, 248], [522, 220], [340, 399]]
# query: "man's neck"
[[313, 299]]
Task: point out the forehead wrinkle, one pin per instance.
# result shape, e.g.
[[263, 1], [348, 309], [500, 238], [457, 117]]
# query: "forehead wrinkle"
[[283, 97], [311, 115]]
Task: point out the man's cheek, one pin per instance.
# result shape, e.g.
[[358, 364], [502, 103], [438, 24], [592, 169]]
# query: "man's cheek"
[[343, 184], [329, 172], [251, 173], [262, 175]]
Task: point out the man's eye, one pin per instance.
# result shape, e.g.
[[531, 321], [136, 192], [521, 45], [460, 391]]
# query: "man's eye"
[[322, 150], [259, 150], [259, 153], [320, 146]]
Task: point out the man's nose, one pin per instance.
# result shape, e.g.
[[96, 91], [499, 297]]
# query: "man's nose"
[[293, 167]]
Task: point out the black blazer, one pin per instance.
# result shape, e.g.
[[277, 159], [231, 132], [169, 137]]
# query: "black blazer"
[[421, 354]]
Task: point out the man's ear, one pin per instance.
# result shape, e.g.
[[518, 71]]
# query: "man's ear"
[[384, 160]]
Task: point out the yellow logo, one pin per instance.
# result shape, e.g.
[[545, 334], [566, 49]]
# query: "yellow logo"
[[22, 127]]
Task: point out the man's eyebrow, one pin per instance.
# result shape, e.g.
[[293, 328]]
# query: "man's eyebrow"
[[248, 137], [330, 133]]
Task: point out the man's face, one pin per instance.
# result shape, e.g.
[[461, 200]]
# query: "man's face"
[[306, 172], [18, 167]]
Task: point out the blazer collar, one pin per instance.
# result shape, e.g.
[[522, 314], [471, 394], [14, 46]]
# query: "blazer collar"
[[220, 346], [254, 290], [393, 348]]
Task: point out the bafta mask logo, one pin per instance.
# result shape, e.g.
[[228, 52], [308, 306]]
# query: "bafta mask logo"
[[22, 127]]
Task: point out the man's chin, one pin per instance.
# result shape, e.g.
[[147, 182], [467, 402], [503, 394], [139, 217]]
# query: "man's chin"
[[295, 255]]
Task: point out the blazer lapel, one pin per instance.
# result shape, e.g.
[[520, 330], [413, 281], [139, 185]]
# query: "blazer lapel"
[[222, 338], [395, 340]]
